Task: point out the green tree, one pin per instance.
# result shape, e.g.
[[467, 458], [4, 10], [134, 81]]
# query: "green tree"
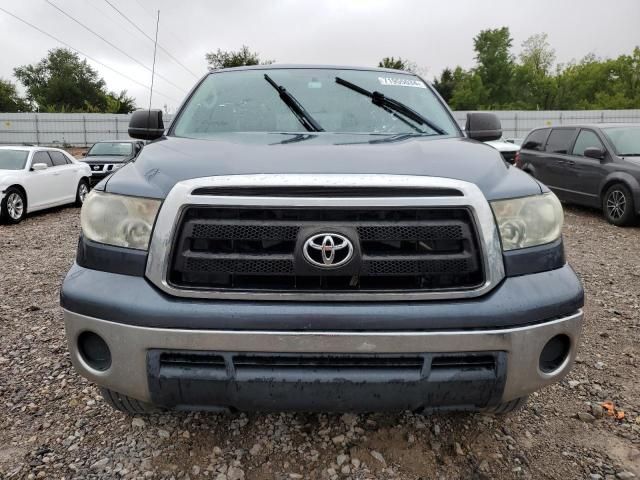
[[538, 54], [470, 92], [10, 100], [398, 64], [228, 59], [533, 84], [62, 82], [446, 84], [495, 64]]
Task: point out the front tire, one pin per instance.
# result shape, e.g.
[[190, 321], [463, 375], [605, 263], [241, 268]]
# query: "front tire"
[[81, 192], [14, 206], [126, 404], [618, 206], [508, 407]]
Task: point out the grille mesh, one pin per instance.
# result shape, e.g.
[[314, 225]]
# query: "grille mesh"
[[401, 232], [413, 267], [256, 249], [244, 231], [243, 266]]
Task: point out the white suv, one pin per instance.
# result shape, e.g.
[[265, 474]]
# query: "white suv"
[[34, 178]]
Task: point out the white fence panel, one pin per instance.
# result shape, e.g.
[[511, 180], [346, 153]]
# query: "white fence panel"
[[83, 129]]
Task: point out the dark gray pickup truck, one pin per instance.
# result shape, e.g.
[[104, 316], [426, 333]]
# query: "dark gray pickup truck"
[[320, 238]]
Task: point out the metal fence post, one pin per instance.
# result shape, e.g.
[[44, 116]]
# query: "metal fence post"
[[84, 128], [37, 130], [516, 132], [117, 133]]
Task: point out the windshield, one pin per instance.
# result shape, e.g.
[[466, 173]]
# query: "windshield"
[[244, 101], [625, 140], [120, 149], [13, 159]]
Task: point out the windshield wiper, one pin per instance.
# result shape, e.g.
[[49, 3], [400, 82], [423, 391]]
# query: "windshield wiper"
[[392, 105], [298, 110]]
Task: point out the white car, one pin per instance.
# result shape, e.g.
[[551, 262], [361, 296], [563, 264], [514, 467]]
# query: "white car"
[[507, 149], [34, 178]]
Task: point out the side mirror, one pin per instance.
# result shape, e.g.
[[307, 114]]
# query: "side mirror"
[[146, 124], [84, 154], [594, 152], [483, 126], [39, 166]]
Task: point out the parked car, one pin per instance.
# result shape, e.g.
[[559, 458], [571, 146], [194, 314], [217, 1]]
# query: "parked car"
[[106, 157], [35, 178], [593, 165], [508, 150], [320, 238]]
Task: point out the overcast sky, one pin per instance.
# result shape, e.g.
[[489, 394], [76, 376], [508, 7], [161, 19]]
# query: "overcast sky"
[[434, 34]]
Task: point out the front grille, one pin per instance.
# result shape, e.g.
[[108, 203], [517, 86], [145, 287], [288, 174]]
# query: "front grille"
[[257, 249]]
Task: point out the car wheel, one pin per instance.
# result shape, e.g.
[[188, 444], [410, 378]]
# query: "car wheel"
[[126, 404], [14, 206], [81, 192], [618, 205], [508, 407]]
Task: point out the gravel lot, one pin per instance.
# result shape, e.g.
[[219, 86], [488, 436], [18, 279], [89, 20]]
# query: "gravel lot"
[[53, 424]]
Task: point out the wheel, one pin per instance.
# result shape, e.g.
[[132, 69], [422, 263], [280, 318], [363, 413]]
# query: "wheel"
[[14, 205], [81, 192], [508, 407], [618, 206], [126, 404]]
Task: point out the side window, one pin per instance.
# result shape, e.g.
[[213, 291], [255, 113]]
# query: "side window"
[[58, 158], [560, 140], [586, 139], [536, 139], [42, 157]]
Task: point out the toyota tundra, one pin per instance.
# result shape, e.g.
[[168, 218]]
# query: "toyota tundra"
[[320, 238]]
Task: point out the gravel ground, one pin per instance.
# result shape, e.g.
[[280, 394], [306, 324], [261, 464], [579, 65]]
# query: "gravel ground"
[[53, 424]]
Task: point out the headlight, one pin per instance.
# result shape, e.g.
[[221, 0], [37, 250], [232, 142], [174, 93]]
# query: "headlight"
[[528, 221], [118, 220]]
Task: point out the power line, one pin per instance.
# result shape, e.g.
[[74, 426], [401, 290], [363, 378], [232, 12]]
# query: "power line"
[[112, 45], [151, 39], [84, 54]]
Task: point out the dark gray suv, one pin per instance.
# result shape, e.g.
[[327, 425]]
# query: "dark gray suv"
[[593, 165], [320, 238]]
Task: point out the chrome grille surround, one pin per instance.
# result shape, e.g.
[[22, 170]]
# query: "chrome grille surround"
[[182, 196]]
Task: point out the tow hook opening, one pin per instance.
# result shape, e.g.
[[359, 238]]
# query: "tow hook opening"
[[554, 353]]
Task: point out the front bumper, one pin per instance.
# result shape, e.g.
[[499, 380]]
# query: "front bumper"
[[134, 368]]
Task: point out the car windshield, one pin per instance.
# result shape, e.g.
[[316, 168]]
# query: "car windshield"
[[119, 149], [13, 159], [246, 101], [625, 140]]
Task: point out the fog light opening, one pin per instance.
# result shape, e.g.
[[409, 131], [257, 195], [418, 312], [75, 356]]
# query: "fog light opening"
[[94, 351], [554, 353]]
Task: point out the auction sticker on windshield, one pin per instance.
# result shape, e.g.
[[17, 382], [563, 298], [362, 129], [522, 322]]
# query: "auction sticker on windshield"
[[401, 82]]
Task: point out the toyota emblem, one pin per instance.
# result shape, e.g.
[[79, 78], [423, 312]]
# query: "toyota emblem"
[[327, 250]]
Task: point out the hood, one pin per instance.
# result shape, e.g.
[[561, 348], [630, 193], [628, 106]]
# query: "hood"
[[169, 160], [105, 159]]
